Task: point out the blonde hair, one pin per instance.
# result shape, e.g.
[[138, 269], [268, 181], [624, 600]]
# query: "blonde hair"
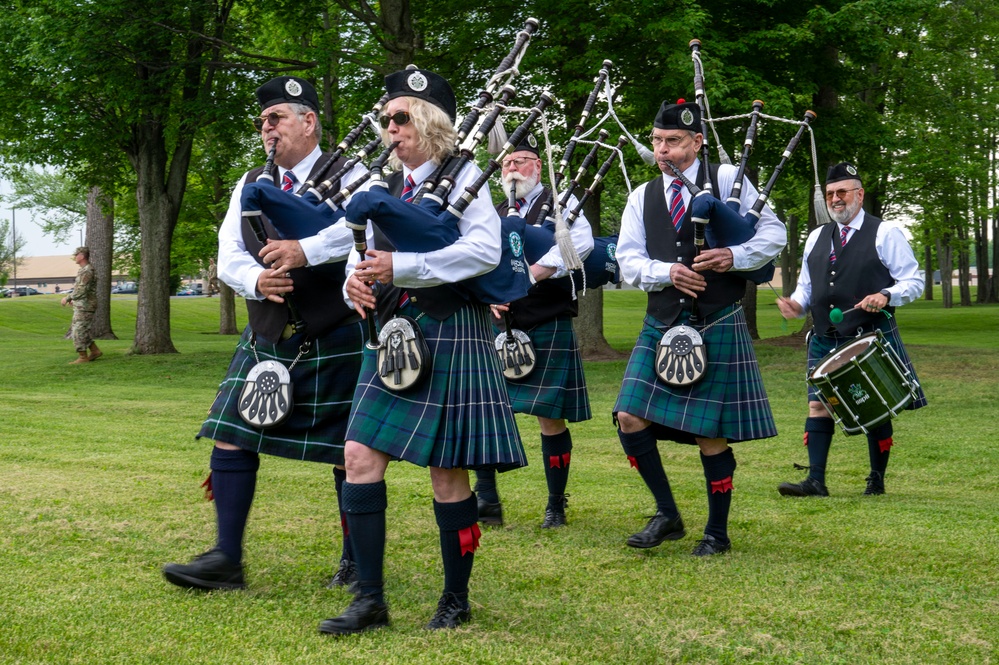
[[435, 132]]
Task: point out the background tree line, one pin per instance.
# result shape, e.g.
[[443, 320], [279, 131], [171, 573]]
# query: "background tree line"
[[141, 108]]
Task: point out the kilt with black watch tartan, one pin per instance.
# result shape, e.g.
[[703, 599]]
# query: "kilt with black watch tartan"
[[324, 380], [729, 402], [459, 416]]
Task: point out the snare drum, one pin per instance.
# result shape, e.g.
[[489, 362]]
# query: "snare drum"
[[863, 383]]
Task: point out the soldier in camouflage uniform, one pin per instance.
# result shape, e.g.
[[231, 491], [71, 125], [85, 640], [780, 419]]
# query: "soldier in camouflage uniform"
[[84, 299]]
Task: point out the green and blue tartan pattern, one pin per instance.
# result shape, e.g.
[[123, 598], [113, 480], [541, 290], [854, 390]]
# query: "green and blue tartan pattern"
[[324, 382], [729, 402], [556, 388], [457, 417]]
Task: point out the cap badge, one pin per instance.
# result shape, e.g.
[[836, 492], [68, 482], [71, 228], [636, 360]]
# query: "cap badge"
[[686, 117], [851, 169], [531, 141], [417, 82], [293, 87]]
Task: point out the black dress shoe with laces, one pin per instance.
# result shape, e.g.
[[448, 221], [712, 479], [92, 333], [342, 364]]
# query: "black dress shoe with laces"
[[875, 484], [345, 576], [555, 512], [208, 571], [490, 514], [807, 487], [658, 529], [710, 545], [363, 613], [451, 613]]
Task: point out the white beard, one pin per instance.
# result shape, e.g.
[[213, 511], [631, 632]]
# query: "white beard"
[[845, 215], [522, 184]]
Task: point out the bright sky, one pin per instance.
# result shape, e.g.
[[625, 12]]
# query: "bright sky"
[[36, 242]]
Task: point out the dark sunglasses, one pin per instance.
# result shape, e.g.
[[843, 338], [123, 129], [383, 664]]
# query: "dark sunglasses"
[[399, 117], [273, 118]]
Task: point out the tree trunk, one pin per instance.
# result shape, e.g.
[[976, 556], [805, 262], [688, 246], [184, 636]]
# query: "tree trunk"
[[227, 310], [400, 38], [589, 326], [927, 267], [944, 259], [963, 267], [100, 240]]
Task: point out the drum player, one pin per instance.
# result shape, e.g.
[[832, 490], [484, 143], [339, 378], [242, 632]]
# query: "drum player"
[[869, 269]]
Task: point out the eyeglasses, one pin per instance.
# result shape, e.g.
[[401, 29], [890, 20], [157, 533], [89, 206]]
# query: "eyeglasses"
[[273, 118], [399, 117], [517, 162], [671, 141], [841, 193]]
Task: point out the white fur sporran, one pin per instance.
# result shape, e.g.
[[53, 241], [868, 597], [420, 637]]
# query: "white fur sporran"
[[681, 358], [516, 354], [403, 356]]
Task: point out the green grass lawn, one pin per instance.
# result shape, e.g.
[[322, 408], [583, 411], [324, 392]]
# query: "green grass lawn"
[[99, 487]]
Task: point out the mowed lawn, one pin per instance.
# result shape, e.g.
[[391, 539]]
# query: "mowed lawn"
[[99, 487]]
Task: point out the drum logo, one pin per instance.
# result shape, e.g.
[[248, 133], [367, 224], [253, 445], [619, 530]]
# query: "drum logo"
[[858, 394]]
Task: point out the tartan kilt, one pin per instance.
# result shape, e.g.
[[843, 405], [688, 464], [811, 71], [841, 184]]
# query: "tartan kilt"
[[556, 388], [324, 381], [729, 402], [458, 416], [819, 346]]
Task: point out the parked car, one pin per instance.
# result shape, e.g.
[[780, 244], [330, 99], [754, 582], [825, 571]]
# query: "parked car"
[[187, 291], [22, 291], [125, 287]]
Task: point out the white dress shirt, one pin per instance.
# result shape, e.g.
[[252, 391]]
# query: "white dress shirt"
[[240, 270], [647, 274], [579, 232], [893, 250]]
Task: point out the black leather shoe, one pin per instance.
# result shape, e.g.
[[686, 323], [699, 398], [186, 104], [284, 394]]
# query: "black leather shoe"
[[875, 484], [807, 487], [555, 512], [658, 529], [211, 570], [490, 514], [450, 613], [710, 545], [363, 613], [346, 576]]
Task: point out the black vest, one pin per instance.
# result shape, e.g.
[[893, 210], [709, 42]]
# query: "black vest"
[[439, 302], [857, 272], [549, 298], [317, 294], [664, 244]]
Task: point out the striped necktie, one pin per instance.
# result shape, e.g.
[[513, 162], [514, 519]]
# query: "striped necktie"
[[842, 243], [407, 191], [287, 181], [676, 208], [519, 203]]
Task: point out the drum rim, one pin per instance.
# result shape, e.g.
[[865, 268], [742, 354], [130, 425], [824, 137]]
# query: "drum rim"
[[869, 340]]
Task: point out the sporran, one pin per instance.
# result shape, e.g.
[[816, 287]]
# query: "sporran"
[[516, 354], [267, 397], [681, 358], [403, 355]]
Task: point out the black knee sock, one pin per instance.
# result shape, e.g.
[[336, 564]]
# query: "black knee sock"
[[556, 451], [879, 443], [718, 472], [485, 485], [339, 476], [818, 438], [459, 534], [365, 506], [234, 480], [643, 451]]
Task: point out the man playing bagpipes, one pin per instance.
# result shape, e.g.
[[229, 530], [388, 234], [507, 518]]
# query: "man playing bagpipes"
[[688, 293], [555, 389], [856, 266], [455, 417], [317, 345]]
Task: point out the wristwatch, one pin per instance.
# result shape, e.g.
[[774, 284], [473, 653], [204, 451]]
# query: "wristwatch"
[[886, 293]]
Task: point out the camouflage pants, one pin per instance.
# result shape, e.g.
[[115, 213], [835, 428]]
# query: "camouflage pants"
[[82, 330]]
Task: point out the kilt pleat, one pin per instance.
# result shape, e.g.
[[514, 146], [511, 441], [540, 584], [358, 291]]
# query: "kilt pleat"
[[324, 380], [557, 387], [819, 346], [729, 402], [457, 417]]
